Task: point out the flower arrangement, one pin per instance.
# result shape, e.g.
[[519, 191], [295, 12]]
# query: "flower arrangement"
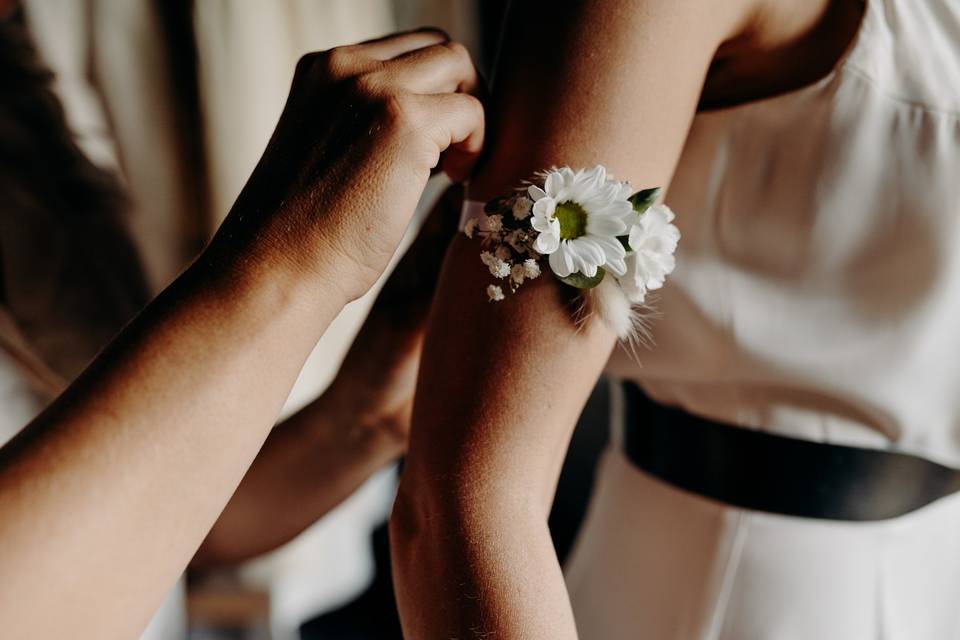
[[591, 231]]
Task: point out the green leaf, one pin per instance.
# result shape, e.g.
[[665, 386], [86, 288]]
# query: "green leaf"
[[642, 200], [581, 281]]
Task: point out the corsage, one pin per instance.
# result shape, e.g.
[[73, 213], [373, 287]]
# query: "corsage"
[[590, 231]]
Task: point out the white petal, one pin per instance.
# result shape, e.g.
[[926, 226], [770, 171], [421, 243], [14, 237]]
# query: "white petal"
[[553, 184], [620, 207], [536, 192], [607, 191], [589, 249], [636, 236], [543, 224], [605, 226], [575, 260], [560, 262], [611, 246], [547, 243], [544, 207], [579, 252], [597, 175], [616, 266], [586, 183], [662, 211]]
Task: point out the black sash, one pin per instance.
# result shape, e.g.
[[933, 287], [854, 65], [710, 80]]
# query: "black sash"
[[766, 472]]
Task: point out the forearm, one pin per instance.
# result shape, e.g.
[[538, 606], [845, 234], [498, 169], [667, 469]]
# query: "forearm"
[[483, 569], [500, 390], [106, 496], [321, 454]]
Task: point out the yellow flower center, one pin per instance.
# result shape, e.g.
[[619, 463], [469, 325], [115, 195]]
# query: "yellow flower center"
[[572, 218]]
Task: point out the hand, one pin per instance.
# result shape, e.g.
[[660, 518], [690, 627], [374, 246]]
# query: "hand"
[[351, 154], [375, 385]]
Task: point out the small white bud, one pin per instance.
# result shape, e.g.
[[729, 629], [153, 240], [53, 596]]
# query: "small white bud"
[[522, 206], [492, 223], [499, 268], [531, 268], [518, 273]]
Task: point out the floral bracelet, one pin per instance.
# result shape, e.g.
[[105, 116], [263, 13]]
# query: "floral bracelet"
[[590, 230]]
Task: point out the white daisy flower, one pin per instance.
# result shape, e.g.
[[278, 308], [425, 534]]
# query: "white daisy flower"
[[494, 293], [578, 216], [653, 240]]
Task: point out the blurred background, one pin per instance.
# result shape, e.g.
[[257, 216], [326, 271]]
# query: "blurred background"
[[178, 98]]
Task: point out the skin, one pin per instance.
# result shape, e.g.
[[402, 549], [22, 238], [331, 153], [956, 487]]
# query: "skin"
[[472, 553], [316, 458], [132, 465]]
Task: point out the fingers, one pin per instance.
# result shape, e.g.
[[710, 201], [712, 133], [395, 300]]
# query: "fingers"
[[418, 69], [440, 68], [366, 57], [398, 44], [456, 127]]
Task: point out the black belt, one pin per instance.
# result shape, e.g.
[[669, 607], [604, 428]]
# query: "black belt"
[[766, 472]]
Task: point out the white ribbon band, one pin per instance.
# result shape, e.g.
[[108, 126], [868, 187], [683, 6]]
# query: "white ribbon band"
[[471, 209]]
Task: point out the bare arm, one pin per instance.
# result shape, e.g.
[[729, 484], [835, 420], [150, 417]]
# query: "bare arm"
[[320, 455], [501, 385], [107, 494]]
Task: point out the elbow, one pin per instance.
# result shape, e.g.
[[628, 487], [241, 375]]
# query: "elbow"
[[410, 519], [428, 514]]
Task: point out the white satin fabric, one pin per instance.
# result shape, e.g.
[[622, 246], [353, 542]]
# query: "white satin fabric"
[[816, 295], [657, 563]]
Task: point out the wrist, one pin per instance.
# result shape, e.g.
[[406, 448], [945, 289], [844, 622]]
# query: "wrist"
[[259, 234], [260, 272]]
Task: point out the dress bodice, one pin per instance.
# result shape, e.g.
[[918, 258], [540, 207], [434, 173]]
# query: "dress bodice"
[[817, 288]]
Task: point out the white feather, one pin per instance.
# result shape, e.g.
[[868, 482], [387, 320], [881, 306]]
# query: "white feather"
[[611, 304]]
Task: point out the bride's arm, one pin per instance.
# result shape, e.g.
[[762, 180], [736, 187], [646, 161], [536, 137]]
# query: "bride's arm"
[[501, 385]]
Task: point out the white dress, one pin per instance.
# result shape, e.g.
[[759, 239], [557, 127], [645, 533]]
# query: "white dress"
[[816, 295]]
